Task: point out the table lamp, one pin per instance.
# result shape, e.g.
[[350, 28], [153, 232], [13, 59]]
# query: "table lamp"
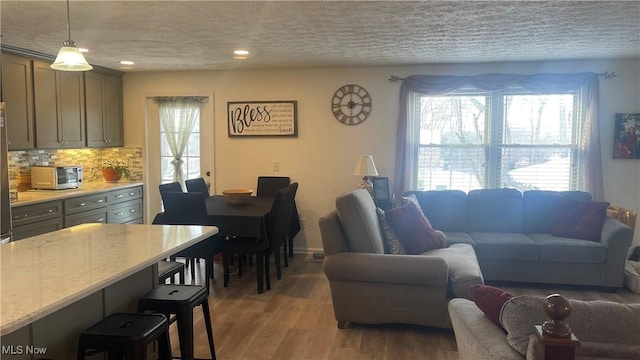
[[366, 168]]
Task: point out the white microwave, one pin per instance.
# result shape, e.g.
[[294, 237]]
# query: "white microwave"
[[56, 177]]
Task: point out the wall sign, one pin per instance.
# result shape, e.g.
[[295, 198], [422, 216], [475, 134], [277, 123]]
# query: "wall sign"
[[262, 118]]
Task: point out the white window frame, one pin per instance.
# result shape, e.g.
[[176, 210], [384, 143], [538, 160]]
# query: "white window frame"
[[493, 143]]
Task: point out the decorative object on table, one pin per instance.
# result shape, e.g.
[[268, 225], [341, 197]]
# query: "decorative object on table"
[[558, 309], [381, 188], [237, 196], [627, 136], [262, 118], [69, 57], [112, 170], [351, 104], [366, 168]]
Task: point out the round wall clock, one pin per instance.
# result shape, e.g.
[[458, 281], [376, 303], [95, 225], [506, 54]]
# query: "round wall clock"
[[351, 104]]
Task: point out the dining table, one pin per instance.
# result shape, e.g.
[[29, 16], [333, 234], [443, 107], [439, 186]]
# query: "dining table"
[[249, 219]]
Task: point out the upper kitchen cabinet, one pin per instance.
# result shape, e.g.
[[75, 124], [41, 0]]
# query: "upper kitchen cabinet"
[[103, 95], [59, 107], [17, 93]]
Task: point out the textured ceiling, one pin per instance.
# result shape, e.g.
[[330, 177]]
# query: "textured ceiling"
[[181, 35]]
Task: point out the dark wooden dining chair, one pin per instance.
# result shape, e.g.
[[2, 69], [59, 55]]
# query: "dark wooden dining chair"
[[197, 185], [277, 231], [190, 209], [268, 186]]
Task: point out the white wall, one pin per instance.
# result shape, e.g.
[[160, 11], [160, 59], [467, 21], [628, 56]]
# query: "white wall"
[[323, 156]]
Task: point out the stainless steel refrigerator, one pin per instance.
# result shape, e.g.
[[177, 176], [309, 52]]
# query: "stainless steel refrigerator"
[[5, 208]]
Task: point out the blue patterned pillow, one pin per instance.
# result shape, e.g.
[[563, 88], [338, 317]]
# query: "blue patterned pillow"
[[391, 241]]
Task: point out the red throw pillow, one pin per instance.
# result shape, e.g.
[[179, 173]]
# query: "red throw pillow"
[[489, 299], [414, 232], [580, 219]]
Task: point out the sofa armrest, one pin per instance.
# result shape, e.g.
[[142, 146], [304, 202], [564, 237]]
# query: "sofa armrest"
[[617, 237], [616, 234], [478, 337], [386, 268]]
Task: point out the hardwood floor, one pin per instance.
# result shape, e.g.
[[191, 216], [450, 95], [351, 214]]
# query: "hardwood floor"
[[294, 320]]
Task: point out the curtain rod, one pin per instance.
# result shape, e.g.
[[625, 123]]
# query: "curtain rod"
[[607, 75]]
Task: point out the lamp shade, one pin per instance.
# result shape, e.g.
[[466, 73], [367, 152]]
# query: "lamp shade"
[[70, 58], [366, 166]]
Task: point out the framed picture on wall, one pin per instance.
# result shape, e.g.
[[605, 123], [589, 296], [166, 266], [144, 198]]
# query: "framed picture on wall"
[[381, 188], [626, 142]]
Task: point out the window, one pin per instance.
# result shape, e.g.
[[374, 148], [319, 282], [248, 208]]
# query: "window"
[[515, 138]]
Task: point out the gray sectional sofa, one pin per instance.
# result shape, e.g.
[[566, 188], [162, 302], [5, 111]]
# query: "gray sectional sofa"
[[511, 234], [371, 287]]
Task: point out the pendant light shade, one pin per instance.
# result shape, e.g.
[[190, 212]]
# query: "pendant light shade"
[[69, 57]]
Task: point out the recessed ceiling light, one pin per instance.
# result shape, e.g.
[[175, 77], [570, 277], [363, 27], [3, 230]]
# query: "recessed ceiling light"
[[241, 52], [126, 62], [240, 57]]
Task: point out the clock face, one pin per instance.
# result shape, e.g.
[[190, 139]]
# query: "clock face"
[[351, 104]]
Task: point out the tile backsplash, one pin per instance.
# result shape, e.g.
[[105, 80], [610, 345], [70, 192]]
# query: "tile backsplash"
[[91, 160]]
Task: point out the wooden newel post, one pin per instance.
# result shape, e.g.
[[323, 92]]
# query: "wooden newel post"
[[555, 335]]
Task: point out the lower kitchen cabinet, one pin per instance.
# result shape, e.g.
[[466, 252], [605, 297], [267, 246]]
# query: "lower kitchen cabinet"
[[36, 219], [121, 206]]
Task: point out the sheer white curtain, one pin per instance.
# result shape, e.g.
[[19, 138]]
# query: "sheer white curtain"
[[178, 116], [543, 83]]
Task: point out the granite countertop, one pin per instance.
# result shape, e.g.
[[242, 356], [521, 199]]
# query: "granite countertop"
[[44, 273], [87, 188]]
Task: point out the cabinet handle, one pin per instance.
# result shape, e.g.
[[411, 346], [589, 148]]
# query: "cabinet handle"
[[132, 193], [100, 220], [119, 213], [132, 210], [119, 196], [83, 204], [100, 201]]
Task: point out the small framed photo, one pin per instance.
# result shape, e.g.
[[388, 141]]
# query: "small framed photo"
[[381, 188]]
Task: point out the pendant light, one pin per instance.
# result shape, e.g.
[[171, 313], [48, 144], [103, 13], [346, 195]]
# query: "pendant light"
[[69, 57]]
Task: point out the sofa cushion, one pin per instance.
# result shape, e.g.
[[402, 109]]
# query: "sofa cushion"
[[357, 213], [580, 219], [464, 270], [392, 244], [505, 246], [446, 209], [540, 208], [489, 299], [567, 250], [413, 230], [495, 210]]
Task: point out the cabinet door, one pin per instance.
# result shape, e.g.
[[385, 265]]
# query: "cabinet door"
[[17, 93], [59, 107], [48, 130], [71, 105], [104, 110], [113, 110], [94, 95]]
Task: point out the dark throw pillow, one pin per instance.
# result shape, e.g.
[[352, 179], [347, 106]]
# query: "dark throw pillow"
[[414, 232], [580, 219], [391, 241], [490, 300]]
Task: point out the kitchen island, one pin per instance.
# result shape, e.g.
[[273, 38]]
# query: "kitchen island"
[[55, 285]]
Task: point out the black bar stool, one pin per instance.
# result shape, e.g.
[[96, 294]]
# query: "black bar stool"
[[126, 335], [180, 300]]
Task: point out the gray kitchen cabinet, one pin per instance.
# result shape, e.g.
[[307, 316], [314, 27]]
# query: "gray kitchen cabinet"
[[103, 96], [85, 209], [59, 107], [122, 206], [125, 206], [36, 219], [17, 93]]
